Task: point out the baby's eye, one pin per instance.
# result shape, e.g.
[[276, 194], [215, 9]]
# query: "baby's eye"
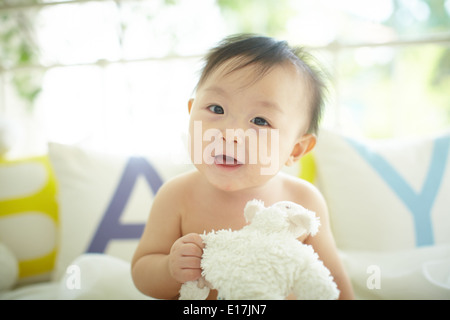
[[260, 121], [216, 109]]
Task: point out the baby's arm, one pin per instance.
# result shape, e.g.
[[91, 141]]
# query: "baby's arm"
[[325, 246], [164, 259]]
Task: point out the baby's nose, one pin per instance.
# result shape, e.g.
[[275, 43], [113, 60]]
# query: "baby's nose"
[[234, 136]]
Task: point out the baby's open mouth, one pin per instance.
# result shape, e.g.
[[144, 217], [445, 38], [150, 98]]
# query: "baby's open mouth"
[[223, 159]]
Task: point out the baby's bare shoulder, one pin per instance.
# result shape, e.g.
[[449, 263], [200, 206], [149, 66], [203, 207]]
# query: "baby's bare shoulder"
[[295, 184], [303, 192], [172, 195], [178, 184]]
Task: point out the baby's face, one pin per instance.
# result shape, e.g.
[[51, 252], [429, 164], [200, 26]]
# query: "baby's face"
[[242, 130]]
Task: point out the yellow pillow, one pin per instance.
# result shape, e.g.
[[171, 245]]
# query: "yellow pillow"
[[29, 220], [308, 167]]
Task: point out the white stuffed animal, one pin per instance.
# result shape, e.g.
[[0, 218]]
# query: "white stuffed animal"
[[263, 260]]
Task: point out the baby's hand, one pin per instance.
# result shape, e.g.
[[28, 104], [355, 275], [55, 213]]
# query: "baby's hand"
[[184, 258]]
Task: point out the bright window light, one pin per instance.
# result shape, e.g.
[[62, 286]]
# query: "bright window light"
[[117, 75]]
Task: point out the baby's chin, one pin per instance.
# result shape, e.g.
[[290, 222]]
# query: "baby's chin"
[[234, 181]]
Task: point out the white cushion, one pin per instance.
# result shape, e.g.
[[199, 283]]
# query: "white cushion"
[[387, 194], [104, 200], [29, 217]]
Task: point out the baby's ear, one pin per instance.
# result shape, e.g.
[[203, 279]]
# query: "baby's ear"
[[304, 145], [251, 208], [190, 103]]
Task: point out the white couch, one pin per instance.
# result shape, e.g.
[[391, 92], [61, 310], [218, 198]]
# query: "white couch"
[[72, 217]]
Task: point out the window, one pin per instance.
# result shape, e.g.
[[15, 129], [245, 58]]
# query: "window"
[[117, 75]]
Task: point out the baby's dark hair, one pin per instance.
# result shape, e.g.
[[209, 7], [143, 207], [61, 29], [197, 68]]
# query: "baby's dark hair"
[[266, 52]]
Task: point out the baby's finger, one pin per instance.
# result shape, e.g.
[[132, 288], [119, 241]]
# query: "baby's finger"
[[191, 250], [190, 275], [194, 238], [186, 274], [190, 263]]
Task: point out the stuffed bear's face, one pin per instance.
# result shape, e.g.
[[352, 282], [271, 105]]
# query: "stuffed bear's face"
[[288, 207], [281, 217]]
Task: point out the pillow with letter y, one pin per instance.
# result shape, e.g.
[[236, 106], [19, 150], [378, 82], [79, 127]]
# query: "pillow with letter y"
[[386, 194], [389, 212]]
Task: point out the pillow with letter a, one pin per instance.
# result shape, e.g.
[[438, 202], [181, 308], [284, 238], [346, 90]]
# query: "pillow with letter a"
[[104, 200]]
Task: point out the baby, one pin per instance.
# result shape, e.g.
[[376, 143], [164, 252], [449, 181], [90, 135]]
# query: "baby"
[[256, 109]]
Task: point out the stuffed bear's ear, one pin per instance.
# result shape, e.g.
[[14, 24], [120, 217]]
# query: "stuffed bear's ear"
[[251, 208], [303, 222]]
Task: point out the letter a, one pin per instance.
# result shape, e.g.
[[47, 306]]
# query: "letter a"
[[374, 280]]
